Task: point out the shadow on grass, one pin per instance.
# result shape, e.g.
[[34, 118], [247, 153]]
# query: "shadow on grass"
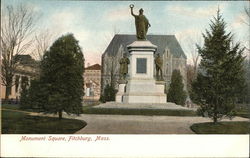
[[233, 127], [21, 123]]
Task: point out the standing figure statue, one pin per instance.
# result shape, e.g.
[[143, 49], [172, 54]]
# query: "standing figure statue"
[[141, 24], [124, 61], [158, 66]]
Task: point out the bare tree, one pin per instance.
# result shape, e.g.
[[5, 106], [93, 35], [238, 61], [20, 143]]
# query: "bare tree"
[[42, 41], [192, 46], [247, 22], [247, 13], [17, 27], [190, 76], [110, 62], [109, 36], [189, 44]]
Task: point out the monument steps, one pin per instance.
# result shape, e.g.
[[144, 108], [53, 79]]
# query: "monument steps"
[[153, 106]]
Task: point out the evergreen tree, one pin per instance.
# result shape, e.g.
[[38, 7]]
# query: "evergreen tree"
[[61, 77], [176, 94], [220, 80], [246, 98], [38, 94], [109, 93]]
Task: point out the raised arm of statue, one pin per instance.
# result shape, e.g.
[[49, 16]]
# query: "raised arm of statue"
[[131, 9]]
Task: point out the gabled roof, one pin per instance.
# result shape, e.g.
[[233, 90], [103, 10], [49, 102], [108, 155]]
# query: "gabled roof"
[[94, 67], [161, 41], [26, 60]]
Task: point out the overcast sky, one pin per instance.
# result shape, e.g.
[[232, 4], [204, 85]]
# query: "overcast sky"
[[94, 22]]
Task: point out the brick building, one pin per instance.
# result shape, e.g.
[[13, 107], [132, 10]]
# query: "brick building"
[[92, 82]]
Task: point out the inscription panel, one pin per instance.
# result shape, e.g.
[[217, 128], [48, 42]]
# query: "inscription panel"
[[141, 65]]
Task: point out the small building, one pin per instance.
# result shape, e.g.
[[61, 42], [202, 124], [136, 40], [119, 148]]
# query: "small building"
[[92, 83], [27, 69]]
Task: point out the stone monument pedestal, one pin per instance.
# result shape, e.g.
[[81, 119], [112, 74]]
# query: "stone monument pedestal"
[[120, 93], [141, 86]]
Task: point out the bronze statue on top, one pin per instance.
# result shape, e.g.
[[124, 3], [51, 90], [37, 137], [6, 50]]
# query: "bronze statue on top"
[[124, 61], [141, 24], [158, 66]]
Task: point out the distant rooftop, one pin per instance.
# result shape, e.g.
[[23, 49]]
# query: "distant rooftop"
[[26, 60], [94, 67]]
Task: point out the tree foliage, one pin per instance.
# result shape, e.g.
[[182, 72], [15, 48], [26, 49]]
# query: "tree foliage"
[[246, 97], [176, 94], [109, 94], [37, 95], [191, 76], [220, 80], [61, 80]]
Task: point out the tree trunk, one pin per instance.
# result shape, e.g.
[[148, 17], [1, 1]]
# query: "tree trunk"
[[7, 92], [8, 79], [215, 118], [215, 114], [60, 114]]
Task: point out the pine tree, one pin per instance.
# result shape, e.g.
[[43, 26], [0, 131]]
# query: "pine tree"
[[109, 93], [220, 79], [61, 77], [176, 94], [38, 94]]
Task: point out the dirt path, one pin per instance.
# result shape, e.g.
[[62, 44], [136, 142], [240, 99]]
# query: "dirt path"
[[134, 124]]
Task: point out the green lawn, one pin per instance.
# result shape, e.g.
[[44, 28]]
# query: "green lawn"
[[243, 112], [149, 112], [21, 123], [10, 106], [234, 127]]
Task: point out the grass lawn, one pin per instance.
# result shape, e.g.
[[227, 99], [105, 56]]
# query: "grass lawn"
[[244, 112], [21, 123], [10, 106], [234, 127], [148, 112]]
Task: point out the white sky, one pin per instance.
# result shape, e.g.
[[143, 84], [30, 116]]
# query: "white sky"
[[94, 23]]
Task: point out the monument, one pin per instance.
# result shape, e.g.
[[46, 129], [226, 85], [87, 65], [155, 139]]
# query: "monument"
[[124, 61], [158, 67], [141, 86]]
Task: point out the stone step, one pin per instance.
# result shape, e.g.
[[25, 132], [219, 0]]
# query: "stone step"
[[167, 105]]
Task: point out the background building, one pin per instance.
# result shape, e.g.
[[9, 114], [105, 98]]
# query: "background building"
[[168, 47], [92, 82], [27, 69]]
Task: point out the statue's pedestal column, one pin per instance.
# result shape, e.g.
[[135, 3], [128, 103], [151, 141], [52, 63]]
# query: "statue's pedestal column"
[[120, 93], [141, 86]]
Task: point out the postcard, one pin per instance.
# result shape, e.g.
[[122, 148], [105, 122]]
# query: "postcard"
[[125, 78]]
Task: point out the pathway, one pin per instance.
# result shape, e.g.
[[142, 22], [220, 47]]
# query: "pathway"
[[135, 124]]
